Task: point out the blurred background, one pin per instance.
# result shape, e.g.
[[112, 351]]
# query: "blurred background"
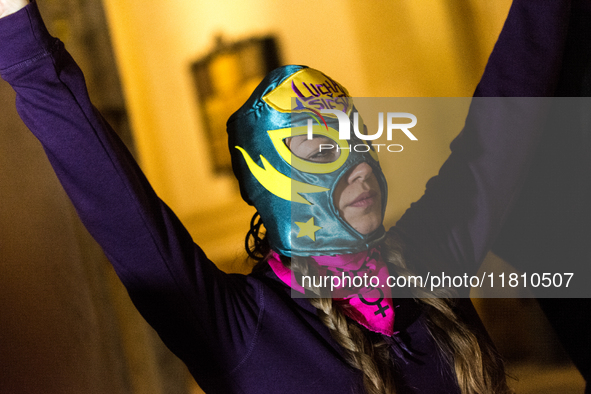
[[67, 325]]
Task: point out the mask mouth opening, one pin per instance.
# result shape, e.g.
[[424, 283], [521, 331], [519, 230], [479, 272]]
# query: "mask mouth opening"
[[383, 193]]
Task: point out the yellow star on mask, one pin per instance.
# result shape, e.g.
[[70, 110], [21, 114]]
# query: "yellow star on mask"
[[308, 229]]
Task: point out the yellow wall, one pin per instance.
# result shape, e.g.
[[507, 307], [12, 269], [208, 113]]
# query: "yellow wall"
[[375, 48], [426, 48]]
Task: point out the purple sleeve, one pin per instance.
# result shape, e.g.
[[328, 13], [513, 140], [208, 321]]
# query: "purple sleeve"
[[194, 306], [456, 221]]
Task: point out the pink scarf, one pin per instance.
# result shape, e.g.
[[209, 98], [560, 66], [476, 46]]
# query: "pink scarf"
[[351, 277]]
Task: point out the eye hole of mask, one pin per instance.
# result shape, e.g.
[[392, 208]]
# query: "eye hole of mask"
[[319, 149]]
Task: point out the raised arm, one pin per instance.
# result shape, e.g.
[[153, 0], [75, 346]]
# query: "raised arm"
[[178, 290], [463, 208]]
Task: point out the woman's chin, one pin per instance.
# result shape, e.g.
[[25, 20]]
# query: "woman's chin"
[[367, 225]]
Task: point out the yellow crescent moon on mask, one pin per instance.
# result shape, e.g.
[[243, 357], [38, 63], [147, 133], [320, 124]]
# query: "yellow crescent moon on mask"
[[280, 185]]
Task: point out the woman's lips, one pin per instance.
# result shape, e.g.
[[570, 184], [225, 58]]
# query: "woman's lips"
[[365, 199]]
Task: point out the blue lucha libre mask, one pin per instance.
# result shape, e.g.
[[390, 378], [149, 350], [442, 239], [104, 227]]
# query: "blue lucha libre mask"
[[294, 195]]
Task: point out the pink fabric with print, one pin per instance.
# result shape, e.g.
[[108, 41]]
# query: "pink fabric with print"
[[371, 307]]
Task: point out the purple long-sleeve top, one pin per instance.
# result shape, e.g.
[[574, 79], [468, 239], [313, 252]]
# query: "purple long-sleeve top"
[[244, 333]]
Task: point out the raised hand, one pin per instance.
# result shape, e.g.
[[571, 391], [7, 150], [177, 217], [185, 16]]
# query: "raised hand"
[[8, 7]]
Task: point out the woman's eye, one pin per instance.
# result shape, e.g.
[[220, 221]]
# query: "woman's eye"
[[327, 155], [319, 149]]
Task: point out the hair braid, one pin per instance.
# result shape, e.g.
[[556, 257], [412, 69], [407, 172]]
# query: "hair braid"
[[372, 359], [361, 353]]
